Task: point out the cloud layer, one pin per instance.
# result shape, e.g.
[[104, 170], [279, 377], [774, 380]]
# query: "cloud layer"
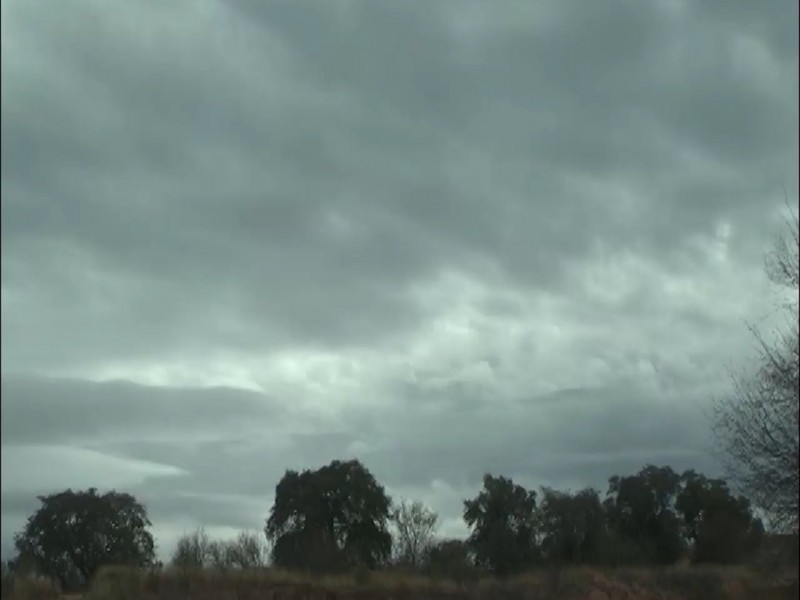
[[239, 237]]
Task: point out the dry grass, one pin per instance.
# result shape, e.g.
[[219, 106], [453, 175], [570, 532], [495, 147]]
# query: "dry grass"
[[674, 583], [26, 588]]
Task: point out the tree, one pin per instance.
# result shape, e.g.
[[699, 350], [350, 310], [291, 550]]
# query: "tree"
[[73, 534], [640, 509], [721, 527], [247, 551], [757, 425], [415, 524], [503, 522], [192, 551], [572, 526], [330, 519], [196, 551]]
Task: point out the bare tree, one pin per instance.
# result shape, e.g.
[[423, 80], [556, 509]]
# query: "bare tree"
[[248, 551], [197, 551], [192, 551], [415, 524], [757, 424], [782, 263]]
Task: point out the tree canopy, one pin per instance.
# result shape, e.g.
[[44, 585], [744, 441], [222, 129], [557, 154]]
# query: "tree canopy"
[[720, 526], [503, 522], [330, 519], [640, 508], [572, 526], [73, 534]]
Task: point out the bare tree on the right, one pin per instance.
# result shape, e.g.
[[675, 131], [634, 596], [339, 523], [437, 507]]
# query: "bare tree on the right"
[[757, 425]]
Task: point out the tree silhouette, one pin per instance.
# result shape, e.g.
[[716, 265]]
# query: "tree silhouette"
[[721, 527], [330, 519], [640, 509], [572, 526], [503, 522], [73, 534]]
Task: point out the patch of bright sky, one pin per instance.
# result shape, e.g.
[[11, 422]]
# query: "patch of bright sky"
[[41, 467]]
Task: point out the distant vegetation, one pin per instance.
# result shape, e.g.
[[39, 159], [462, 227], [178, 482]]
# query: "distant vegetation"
[[338, 519]]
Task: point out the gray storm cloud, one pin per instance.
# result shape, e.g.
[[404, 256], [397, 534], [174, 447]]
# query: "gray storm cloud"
[[240, 237]]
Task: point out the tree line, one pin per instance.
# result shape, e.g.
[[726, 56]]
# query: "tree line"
[[339, 518]]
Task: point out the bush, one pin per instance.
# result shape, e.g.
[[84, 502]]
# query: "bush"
[[192, 551], [692, 584], [362, 576], [620, 551], [449, 559], [117, 583], [28, 588], [196, 551]]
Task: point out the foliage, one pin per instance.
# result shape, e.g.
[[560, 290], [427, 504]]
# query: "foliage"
[[330, 519], [757, 425], [73, 534], [572, 527], [503, 522], [450, 559], [336, 519], [721, 527], [640, 509], [415, 524]]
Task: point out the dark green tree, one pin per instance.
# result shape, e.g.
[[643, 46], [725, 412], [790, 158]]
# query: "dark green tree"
[[73, 534], [503, 522], [330, 519], [641, 510], [572, 527], [720, 526]]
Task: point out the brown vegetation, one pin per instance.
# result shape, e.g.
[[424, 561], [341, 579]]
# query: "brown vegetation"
[[672, 583]]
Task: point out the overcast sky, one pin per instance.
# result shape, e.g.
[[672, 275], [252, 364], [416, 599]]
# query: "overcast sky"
[[443, 237]]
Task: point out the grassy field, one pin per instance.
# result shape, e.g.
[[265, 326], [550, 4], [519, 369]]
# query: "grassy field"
[[676, 583]]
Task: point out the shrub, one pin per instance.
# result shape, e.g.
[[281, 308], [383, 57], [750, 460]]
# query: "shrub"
[[117, 583]]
